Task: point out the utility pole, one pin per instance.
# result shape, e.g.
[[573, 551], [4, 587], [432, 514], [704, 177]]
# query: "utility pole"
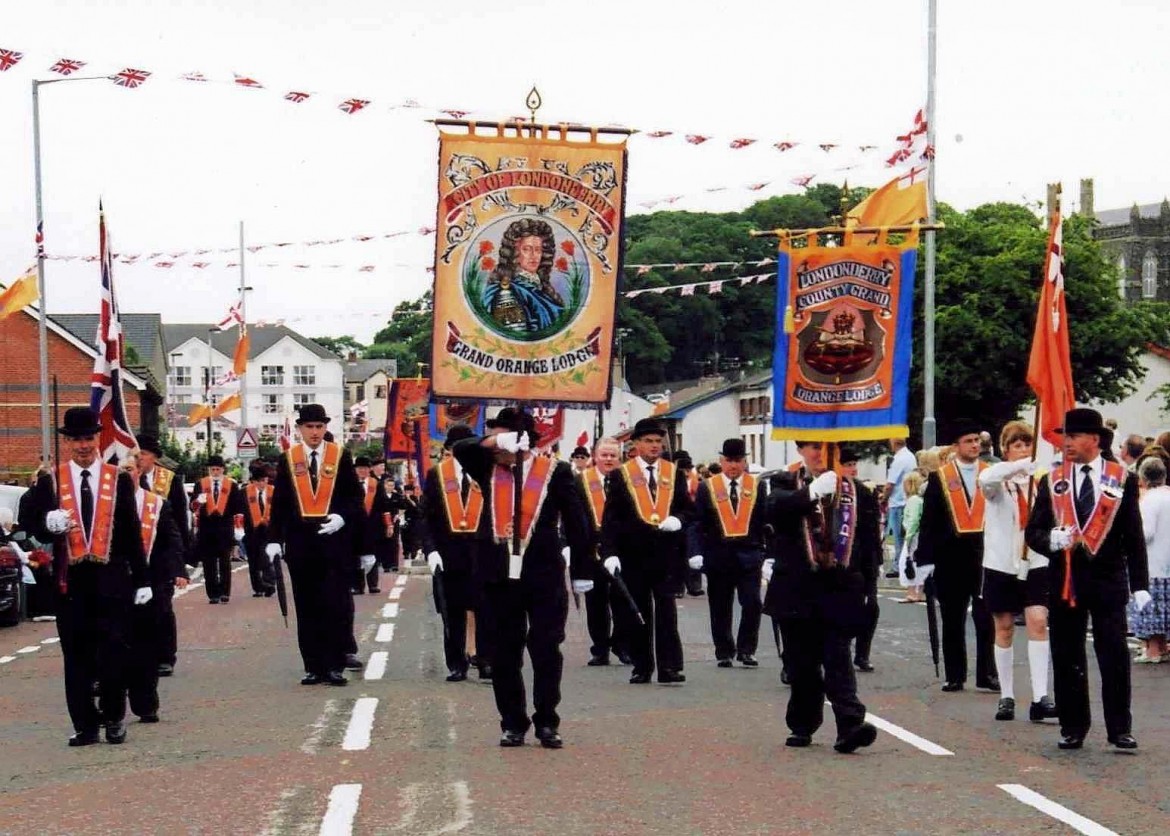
[[207, 389], [244, 329], [928, 422]]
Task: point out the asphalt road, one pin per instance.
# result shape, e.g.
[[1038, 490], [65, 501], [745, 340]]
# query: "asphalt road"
[[243, 748]]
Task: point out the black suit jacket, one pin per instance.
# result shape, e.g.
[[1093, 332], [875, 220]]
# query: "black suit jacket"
[[168, 555], [643, 549], [458, 549], [373, 527], [126, 570], [725, 554], [1103, 579], [299, 536], [177, 502], [939, 544], [215, 531]]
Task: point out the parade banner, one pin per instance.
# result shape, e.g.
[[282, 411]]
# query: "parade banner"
[[527, 266], [841, 365], [408, 406], [443, 415]]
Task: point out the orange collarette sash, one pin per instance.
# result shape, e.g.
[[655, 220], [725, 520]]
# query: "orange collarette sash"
[[216, 508], [97, 549], [967, 515], [1104, 512], [252, 492], [151, 507], [595, 492], [532, 495], [371, 487], [734, 523], [651, 511], [461, 519], [162, 481], [314, 503]]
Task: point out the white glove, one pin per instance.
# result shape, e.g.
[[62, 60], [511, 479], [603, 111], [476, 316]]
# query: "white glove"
[[435, 562], [1060, 539], [509, 442], [612, 565], [333, 524], [238, 533], [767, 568], [582, 586], [202, 498], [670, 525], [367, 562], [58, 521], [523, 442], [696, 562], [565, 552], [143, 595], [824, 485], [273, 550], [1141, 598], [1021, 467]]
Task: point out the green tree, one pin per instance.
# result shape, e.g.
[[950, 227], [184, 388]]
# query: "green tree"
[[407, 336], [341, 346]]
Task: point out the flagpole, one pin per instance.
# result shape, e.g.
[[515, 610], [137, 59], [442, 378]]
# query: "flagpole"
[[243, 329], [42, 325], [928, 421], [207, 389]]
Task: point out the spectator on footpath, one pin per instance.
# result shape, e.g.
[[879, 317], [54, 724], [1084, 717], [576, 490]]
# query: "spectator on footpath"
[[901, 465], [910, 577], [1152, 624], [1131, 450]]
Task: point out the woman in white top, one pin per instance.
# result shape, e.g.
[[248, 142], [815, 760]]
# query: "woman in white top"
[[913, 485], [1015, 579], [1152, 623]]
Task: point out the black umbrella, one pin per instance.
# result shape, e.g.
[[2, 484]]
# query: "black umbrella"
[[440, 591], [281, 593], [932, 619], [624, 591]]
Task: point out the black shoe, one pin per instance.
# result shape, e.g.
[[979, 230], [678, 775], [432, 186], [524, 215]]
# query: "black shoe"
[[863, 735], [1124, 741], [724, 663], [623, 657], [549, 738], [798, 741], [863, 665], [1018, 620], [598, 660], [785, 677], [951, 687], [115, 733], [257, 594], [511, 739], [1043, 709], [696, 593], [1006, 710], [213, 600], [335, 678], [268, 593], [374, 590], [1071, 741], [639, 678], [457, 676], [312, 679], [989, 684], [166, 670], [223, 599], [358, 591], [84, 738], [352, 662], [485, 672], [747, 660], [148, 718], [671, 677], [892, 573]]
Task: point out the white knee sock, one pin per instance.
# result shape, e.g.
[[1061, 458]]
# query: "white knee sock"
[[1004, 656], [1038, 666]]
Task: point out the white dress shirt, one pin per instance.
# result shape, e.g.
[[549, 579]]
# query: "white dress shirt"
[[1096, 466], [1003, 536]]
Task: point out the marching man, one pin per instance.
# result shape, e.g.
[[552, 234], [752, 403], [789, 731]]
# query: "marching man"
[[605, 633], [217, 501], [258, 495]]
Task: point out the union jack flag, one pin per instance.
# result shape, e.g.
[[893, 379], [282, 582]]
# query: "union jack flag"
[[455, 114], [743, 142], [9, 58], [130, 77], [105, 394], [66, 66], [352, 106], [785, 146], [803, 180], [234, 317], [40, 240], [697, 139], [296, 97], [244, 81], [659, 134]]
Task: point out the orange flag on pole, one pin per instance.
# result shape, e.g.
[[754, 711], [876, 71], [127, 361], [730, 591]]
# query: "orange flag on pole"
[[199, 412], [227, 405], [240, 358], [18, 295], [900, 202], [1049, 365]]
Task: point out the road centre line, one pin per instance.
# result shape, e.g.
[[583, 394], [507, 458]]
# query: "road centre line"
[[361, 724], [376, 665], [401, 581], [32, 648], [385, 632], [4, 660], [395, 593], [910, 737], [1049, 807], [51, 640], [342, 809], [390, 611]]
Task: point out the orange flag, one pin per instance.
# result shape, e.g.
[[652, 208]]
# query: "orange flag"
[[1049, 366], [199, 412], [227, 405], [18, 295], [240, 358], [900, 202]]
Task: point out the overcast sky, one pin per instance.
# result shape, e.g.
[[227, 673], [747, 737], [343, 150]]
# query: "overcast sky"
[[1028, 93]]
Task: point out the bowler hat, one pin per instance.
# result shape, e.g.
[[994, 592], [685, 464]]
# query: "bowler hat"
[[149, 444], [362, 461], [847, 455], [733, 448], [963, 426], [514, 420], [1082, 420], [579, 453], [312, 413], [80, 421], [456, 433], [647, 426], [215, 460], [258, 470]]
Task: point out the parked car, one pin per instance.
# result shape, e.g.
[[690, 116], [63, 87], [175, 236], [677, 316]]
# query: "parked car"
[[12, 600]]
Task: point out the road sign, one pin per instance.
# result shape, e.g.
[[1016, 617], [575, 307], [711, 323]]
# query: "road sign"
[[247, 443]]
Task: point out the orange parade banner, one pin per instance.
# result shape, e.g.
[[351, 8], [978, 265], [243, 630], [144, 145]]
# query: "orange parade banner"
[[527, 265]]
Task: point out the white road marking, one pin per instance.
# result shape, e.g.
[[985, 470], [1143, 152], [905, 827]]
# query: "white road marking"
[[51, 640], [343, 807], [376, 665], [1045, 805], [385, 632], [408, 800], [395, 593], [390, 611], [361, 724], [276, 824], [462, 808], [4, 660], [32, 648], [401, 581], [309, 747], [452, 736], [910, 737]]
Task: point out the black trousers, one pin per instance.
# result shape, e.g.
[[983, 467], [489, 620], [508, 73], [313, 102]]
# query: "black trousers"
[[459, 588], [722, 588], [217, 572], [958, 589], [1066, 634], [168, 628], [872, 612], [363, 579], [95, 637], [388, 551], [147, 651], [259, 564], [324, 610], [658, 638], [816, 654], [608, 618], [530, 612]]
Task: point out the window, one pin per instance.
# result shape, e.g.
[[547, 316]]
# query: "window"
[[181, 376], [359, 392], [269, 430], [380, 393], [272, 375], [273, 404], [1149, 276], [215, 399], [765, 413], [302, 398], [217, 436], [304, 375], [1121, 277], [180, 399], [216, 372], [200, 435]]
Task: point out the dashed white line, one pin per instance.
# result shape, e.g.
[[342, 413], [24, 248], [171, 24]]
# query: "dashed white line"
[[376, 665], [1049, 807], [395, 593], [51, 640], [385, 632], [390, 611], [401, 581], [342, 809], [910, 737], [361, 724], [4, 660], [32, 648]]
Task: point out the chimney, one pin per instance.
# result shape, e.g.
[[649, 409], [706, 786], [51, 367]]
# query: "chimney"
[[1053, 198], [1087, 210], [351, 357]]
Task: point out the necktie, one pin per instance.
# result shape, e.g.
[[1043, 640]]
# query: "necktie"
[[260, 501], [144, 483], [734, 497], [464, 487], [1086, 498], [605, 484], [313, 469], [86, 503], [653, 485], [215, 492]]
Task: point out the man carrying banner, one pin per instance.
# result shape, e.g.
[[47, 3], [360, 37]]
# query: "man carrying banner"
[[258, 495], [1087, 521], [217, 501], [641, 538], [608, 619], [950, 538], [525, 587], [315, 497], [725, 541]]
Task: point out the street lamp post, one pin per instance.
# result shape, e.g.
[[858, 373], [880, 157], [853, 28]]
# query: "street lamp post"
[[207, 389]]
